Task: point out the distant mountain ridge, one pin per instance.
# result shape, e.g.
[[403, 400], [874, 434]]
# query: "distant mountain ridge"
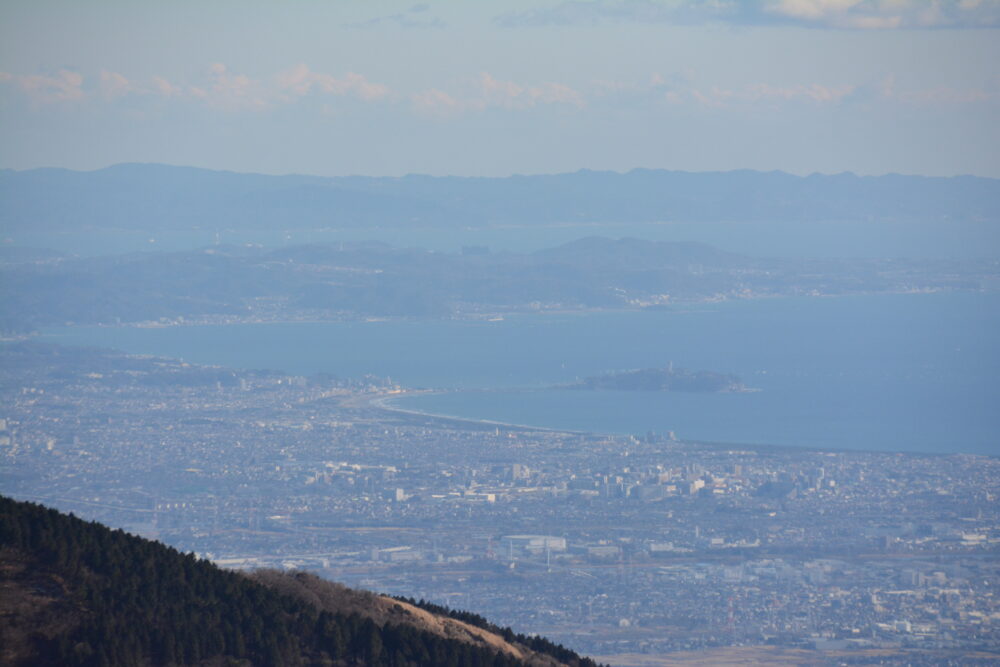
[[156, 197]]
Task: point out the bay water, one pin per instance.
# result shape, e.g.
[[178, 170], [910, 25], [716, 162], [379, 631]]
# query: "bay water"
[[898, 372]]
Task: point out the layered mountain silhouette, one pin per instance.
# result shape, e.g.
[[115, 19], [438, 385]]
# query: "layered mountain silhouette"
[[154, 197]]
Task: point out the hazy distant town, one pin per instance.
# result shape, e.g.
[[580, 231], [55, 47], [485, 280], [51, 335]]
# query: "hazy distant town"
[[608, 544], [338, 281]]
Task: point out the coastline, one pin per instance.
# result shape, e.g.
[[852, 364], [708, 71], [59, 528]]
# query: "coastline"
[[680, 306], [385, 402], [543, 415]]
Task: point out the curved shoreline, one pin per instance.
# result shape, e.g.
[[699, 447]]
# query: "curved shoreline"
[[384, 402]]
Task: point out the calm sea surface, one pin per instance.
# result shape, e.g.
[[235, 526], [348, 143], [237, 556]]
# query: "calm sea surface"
[[890, 372]]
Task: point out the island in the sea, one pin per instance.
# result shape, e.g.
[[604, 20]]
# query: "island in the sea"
[[664, 379]]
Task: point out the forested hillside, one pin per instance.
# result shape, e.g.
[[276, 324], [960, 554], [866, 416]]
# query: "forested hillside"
[[79, 593]]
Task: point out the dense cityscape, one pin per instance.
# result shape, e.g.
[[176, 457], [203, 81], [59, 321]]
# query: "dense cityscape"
[[610, 544], [555, 333]]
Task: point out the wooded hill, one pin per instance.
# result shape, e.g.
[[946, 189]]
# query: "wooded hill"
[[79, 593]]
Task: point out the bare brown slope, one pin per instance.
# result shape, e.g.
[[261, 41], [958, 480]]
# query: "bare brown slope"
[[334, 597]]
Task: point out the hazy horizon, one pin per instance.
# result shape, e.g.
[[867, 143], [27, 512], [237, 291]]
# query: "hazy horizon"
[[473, 89], [621, 171]]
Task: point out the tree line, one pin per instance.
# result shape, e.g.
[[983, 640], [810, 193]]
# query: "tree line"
[[140, 602]]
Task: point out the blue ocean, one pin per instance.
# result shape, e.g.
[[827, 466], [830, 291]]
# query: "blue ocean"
[[903, 372]]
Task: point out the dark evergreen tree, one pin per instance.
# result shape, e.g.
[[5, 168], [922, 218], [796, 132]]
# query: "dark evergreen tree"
[[143, 603]]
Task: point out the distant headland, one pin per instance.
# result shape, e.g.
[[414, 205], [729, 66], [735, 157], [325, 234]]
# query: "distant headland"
[[667, 378]]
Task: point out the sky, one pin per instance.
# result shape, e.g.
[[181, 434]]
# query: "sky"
[[484, 88]]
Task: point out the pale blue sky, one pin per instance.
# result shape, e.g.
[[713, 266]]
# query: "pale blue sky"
[[494, 88]]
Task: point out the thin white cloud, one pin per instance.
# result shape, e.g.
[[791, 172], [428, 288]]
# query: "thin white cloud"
[[949, 96], [220, 88], [813, 92], [887, 91], [489, 92], [223, 90], [114, 84], [438, 103], [511, 95], [230, 91], [636, 90], [63, 86], [164, 88], [940, 95], [836, 14], [416, 16], [300, 80], [679, 90], [575, 12]]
